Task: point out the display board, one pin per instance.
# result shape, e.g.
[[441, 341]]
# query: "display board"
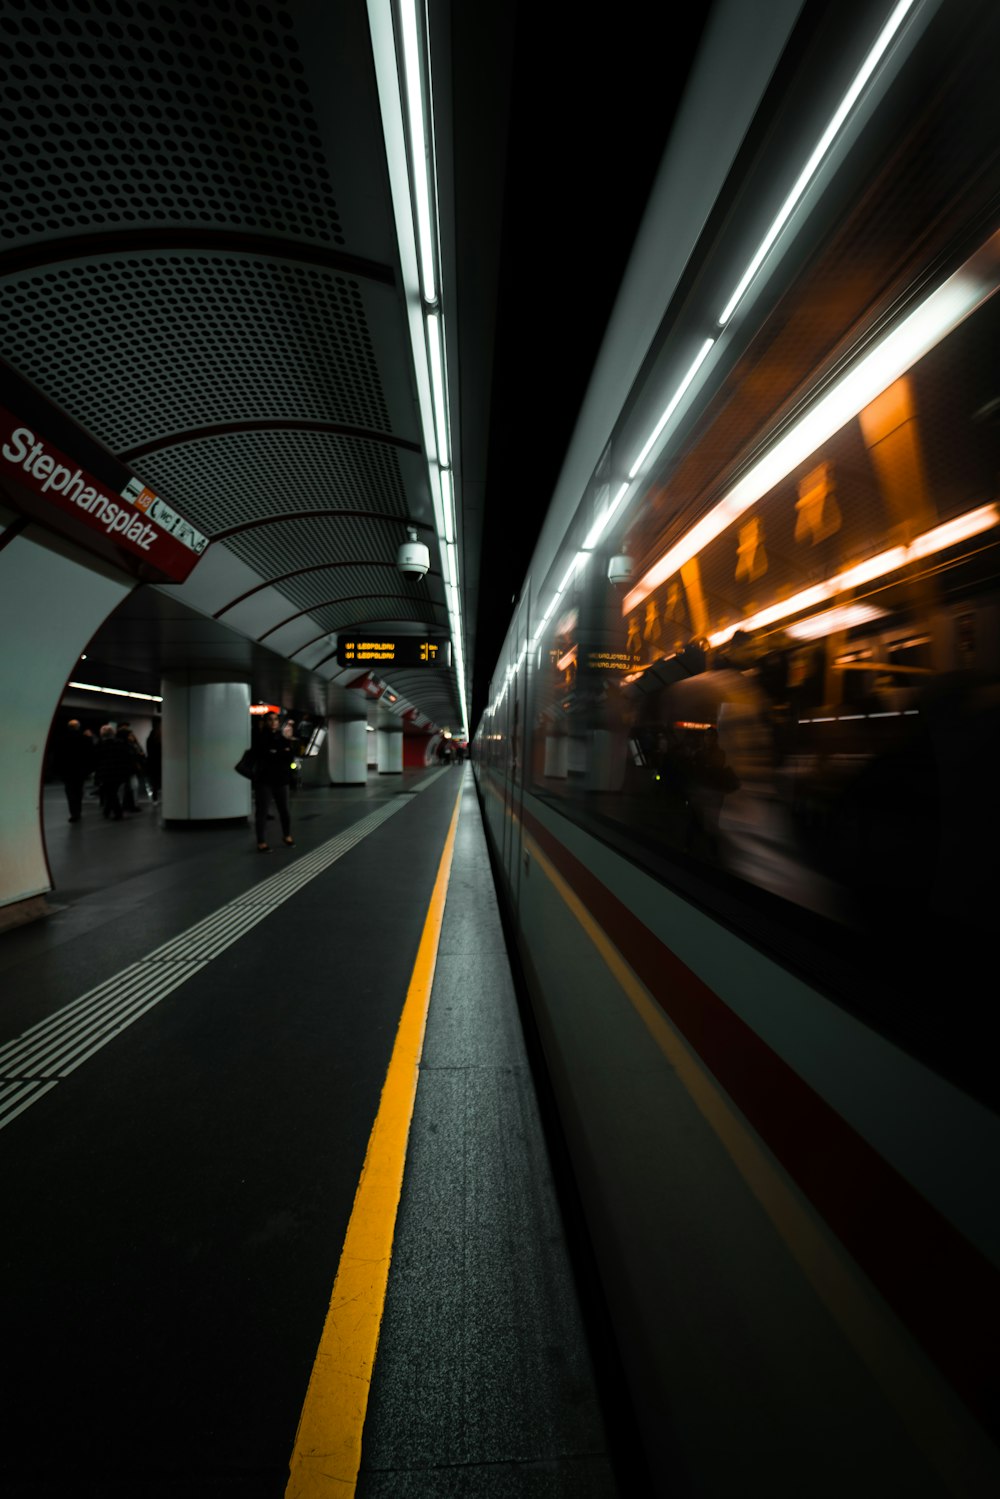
[[392, 650]]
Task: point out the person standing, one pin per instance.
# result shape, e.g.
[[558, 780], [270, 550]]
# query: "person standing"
[[274, 767], [136, 760], [154, 759], [290, 733], [112, 766], [77, 763]]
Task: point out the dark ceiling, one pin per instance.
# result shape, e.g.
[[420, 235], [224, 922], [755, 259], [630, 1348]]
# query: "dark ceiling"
[[199, 265]]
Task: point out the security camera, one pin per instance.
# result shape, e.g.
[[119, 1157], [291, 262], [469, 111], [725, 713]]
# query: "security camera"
[[620, 571], [413, 559]]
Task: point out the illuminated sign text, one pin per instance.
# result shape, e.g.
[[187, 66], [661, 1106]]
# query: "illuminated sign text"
[[401, 650]]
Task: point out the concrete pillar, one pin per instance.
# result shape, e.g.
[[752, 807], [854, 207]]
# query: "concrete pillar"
[[608, 758], [206, 728], [347, 751], [576, 755], [390, 750], [53, 598]]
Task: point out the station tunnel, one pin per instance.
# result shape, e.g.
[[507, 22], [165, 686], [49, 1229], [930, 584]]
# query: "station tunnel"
[[497, 908]]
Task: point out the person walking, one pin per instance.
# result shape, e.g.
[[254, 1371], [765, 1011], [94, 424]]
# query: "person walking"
[[77, 757], [274, 767]]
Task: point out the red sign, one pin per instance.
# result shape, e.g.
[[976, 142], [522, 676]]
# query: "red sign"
[[134, 520], [261, 710]]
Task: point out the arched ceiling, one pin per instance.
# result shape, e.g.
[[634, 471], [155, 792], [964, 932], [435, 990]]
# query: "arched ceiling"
[[199, 265]]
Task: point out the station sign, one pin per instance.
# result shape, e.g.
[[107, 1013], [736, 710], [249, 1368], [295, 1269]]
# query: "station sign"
[[392, 650], [53, 471]]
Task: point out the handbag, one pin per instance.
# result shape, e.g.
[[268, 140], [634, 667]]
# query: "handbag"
[[245, 764]]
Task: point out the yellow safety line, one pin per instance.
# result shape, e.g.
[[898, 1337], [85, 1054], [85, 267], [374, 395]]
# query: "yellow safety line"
[[327, 1453]]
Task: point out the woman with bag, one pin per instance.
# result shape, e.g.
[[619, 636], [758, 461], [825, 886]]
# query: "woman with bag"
[[272, 772]]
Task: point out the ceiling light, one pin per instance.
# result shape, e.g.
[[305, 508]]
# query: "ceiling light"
[[821, 148], [146, 697], [672, 405], [599, 527], [413, 75], [447, 505], [846, 617], [950, 533], [918, 333], [434, 332]]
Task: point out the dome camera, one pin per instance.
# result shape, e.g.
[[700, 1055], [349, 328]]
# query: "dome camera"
[[413, 559], [620, 571]]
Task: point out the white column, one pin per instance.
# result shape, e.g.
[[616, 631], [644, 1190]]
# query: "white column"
[[53, 598], [347, 751], [608, 758], [556, 754], [576, 755], [206, 728], [390, 751]]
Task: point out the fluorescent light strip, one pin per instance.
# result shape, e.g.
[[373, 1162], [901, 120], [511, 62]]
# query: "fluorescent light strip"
[[823, 145], [844, 617], [948, 534], [410, 186], [599, 527], [434, 332], [914, 337], [418, 142], [147, 697], [421, 179], [447, 505], [567, 578], [436, 499], [696, 365]]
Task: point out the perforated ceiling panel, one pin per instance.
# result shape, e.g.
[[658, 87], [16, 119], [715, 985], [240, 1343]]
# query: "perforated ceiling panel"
[[198, 264], [387, 607], [310, 589], [273, 550], [140, 114], [140, 347], [224, 481]]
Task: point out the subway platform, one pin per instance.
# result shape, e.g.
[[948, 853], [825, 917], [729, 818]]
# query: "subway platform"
[[202, 1053]]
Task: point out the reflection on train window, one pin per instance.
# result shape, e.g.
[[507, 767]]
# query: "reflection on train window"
[[809, 705]]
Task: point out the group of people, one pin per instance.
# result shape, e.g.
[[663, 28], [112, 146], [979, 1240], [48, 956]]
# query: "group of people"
[[118, 765], [116, 761]]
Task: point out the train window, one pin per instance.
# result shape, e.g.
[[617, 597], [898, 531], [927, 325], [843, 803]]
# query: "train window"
[[790, 711], [800, 717]]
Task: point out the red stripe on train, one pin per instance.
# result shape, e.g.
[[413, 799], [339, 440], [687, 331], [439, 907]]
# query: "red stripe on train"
[[944, 1289]]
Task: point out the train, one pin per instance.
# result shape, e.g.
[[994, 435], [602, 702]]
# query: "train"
[[739, 768]]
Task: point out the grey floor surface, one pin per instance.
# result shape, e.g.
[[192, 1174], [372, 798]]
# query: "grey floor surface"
[[483, 1384]]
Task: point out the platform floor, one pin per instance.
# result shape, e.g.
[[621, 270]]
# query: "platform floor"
[[182, 1135]]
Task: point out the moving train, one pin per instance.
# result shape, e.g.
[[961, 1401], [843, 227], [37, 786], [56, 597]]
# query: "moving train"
[[740, 770]]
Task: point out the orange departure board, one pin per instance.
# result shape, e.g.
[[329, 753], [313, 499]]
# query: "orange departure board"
[[392, 650]]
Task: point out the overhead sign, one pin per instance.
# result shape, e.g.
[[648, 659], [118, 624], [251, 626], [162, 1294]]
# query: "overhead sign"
[[393, 650], [59, 475]]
